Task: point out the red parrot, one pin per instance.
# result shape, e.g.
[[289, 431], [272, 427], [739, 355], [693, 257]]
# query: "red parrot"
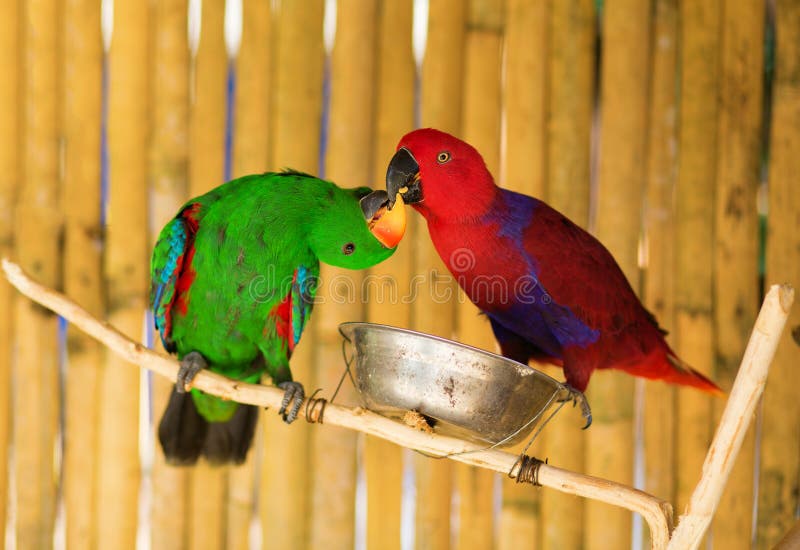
[[551, 291]]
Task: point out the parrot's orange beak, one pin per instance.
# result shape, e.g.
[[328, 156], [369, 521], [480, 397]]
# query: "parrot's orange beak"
[[389, 226]]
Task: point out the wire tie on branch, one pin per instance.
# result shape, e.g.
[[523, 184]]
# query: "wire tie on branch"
[[347, 372], [527, 470], [315, 408]]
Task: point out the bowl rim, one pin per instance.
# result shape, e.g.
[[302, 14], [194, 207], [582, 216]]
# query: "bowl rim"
[[520, 366]]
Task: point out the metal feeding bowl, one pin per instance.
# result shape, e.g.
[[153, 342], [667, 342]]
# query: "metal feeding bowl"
[[471, 393]]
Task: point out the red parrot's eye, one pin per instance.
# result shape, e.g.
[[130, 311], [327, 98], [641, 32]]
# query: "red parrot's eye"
[[443, 157]]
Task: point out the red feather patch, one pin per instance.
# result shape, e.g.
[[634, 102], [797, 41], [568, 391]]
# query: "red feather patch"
[[188, 273], [281, 316]]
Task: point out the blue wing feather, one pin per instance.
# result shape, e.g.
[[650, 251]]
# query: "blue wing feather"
[[302, 301], [165, 268]]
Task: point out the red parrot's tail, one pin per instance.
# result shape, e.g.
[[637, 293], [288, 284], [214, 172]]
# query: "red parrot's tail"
[[664, 365], [683, 374]]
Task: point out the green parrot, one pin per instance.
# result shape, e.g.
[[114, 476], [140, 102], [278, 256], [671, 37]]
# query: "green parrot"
[[234, 276]]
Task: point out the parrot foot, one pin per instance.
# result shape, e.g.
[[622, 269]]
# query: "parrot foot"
[[191, 364], [577, 397], [293, 391]]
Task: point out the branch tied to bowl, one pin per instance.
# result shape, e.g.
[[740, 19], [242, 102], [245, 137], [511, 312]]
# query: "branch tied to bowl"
[[656, 512]]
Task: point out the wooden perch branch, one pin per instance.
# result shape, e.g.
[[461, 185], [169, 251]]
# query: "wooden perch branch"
[[656, 512], [736, 417]]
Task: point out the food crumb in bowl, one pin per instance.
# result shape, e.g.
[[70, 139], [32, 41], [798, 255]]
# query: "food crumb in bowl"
[[417, 421]]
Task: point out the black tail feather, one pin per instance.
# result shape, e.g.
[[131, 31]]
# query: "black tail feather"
[[182, 431], [184, 434], [229, 441]]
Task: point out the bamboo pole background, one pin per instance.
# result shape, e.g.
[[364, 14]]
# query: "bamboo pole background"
[[517, 79], [10, 177], [284, 500], [38, 226], [169, 155], [125, 271], [570, 102], [82, 61], [621, 177], [348, 162], [779, 475], [736, 247], [659, 428], [390, 281], [524, 170], [251, 147]]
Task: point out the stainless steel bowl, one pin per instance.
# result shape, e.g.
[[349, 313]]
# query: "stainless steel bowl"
[[471, 393]]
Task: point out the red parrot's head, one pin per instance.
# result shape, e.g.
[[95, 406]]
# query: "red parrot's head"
[[440, 176]]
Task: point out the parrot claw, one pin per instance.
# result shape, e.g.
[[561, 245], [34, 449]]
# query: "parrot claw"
[[577, 397], [293, 391], [191, 364]]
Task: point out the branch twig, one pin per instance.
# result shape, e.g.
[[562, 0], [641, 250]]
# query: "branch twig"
[[656, 512], [736, 417]]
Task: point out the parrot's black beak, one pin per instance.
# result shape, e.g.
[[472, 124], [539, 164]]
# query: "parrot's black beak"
[[402, 177], [373, 202]]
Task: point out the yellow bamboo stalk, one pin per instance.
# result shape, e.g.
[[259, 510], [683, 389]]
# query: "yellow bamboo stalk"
[[659, 282], [482, 99], [207, 114], [82, 58], [208, 488], [37, 227], [621, 178], [433, 307], [525, 96], [779, 476], [10, 182], [168, 175], [253, 82], [694, 195], [208, 485], [569, 103], [125, 269], [736, 246], [240, 500], [348, 162], [297, 102], [389, 282], [524, 169], [250, 155]]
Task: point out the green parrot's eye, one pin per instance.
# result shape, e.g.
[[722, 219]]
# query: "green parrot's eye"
[[348, 249], [443, 157]]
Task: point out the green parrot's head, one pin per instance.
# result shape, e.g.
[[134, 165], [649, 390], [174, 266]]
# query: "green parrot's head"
[[354, 229]]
